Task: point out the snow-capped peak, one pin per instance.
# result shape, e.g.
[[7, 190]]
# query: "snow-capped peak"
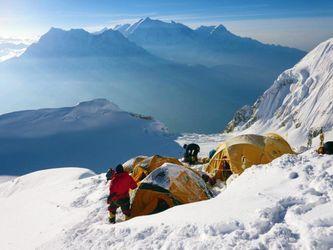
[[143, 22], [42, 122], [149, 24], [300, 100], [61, 43], [97, 104], [147, 19], [220, 28]]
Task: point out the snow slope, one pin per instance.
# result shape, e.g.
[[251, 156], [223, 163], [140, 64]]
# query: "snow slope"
[[299, 101], [206, 142], [94, 134], [39, 205], [5, 178], [286, 204]]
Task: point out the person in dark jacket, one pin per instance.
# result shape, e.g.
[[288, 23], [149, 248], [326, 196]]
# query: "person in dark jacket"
[[191, 153], [121, 183], [211, 153]]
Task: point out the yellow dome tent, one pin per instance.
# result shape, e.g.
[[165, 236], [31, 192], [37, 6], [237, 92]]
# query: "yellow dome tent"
[[165, 187], [244, 151], [145, 166], [131, 163]]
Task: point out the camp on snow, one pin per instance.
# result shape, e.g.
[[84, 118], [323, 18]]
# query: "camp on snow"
[[145, 165], [165, 187], [235, 155], [164, 182]]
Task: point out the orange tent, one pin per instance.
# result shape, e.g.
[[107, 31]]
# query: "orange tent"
[[145, 166], [165, 187]]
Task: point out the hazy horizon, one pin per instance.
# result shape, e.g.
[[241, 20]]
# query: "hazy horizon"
[[198, 62], [298, 24]]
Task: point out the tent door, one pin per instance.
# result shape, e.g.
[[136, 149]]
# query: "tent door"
[[161, 206]]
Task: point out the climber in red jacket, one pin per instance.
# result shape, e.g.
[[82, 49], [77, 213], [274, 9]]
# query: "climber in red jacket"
[[121, 183]]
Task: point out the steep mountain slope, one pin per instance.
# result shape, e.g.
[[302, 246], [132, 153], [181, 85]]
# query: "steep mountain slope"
[[286, 204], [208, 45], [66, 67], [300, 100], [94, 134], [121, 27]]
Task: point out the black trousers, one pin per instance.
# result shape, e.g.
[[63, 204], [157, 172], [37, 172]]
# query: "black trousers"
[[124, 204]]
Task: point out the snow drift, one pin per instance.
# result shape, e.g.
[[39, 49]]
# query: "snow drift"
[[285, 204], [299, 101], [94, 134]]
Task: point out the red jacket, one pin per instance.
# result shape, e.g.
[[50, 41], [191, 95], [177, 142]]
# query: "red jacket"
[[120, 185]]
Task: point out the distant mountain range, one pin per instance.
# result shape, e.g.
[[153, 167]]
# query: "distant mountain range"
[[80, 43], [207, 45], [192, 80]]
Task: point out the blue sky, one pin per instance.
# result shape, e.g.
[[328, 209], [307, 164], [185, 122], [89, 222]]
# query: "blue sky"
[[295, 23]]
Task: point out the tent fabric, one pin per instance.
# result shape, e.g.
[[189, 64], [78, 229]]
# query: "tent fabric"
[[244, 151], [165, 187], [129, 165], [144, 167], [328, 148]]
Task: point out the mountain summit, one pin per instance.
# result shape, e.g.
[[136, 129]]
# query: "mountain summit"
[[78, 42], [207, 45], [150, 31]]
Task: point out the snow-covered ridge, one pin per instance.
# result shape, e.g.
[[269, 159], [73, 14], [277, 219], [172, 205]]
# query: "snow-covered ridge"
[[148, 23], [79, 42], [94, 134], [42, 122], [207, 45], [298, 102], [285, 204]]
